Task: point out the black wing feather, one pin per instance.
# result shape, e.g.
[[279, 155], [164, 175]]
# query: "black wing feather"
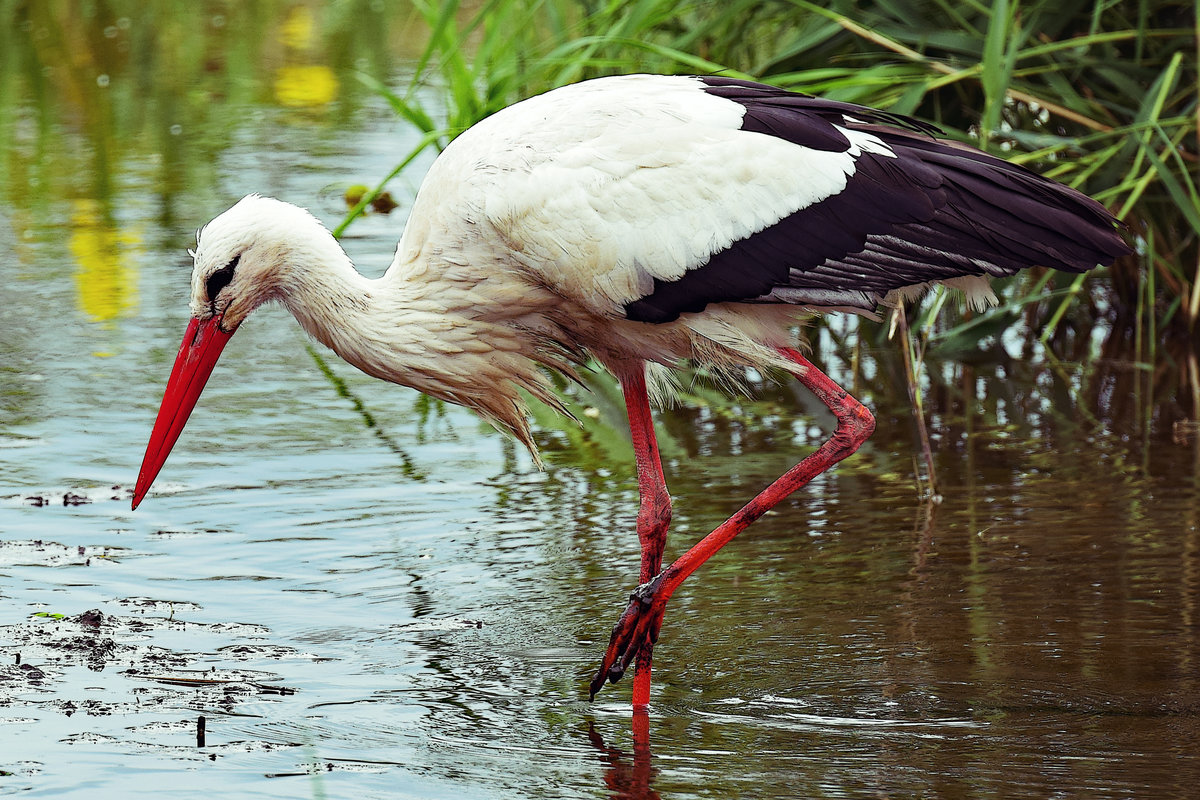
[[935, 211]]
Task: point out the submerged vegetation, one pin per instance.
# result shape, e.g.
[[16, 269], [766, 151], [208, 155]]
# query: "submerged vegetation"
[[1101, 96]]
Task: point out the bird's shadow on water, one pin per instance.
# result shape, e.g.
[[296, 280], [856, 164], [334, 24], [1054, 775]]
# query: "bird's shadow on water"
[[628, 775]]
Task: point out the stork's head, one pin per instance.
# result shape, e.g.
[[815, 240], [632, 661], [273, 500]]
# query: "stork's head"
[[243, 258]]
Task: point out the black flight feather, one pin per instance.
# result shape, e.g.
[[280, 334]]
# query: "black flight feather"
[[937, 210]]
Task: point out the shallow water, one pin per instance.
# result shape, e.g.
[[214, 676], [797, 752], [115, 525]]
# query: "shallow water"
[[413, 609]]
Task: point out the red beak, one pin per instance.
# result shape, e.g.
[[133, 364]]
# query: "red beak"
[[202, 346]]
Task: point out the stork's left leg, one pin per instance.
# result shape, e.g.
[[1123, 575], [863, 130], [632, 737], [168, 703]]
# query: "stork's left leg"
[[637, 629], [654, 511]]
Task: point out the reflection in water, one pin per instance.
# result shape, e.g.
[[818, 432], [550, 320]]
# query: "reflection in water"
[[305, 86], [628, 778], [105, 279], [300, 83], [297, 30]]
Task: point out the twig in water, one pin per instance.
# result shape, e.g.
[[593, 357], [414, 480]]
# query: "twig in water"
[[911, 364]]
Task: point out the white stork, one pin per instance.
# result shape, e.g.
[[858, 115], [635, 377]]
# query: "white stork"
[[638, 220]]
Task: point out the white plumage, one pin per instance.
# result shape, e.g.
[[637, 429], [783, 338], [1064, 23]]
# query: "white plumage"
[[569, 180], [638, 219]]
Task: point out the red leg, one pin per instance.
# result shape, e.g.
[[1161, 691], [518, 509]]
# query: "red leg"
[[654, 513], [639, 624]]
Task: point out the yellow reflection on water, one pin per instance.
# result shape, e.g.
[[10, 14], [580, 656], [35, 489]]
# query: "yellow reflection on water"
[[105, 283], [302, 85], [305, 86], [297, 29]]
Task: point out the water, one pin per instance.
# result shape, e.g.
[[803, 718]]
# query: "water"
[[413, 609]]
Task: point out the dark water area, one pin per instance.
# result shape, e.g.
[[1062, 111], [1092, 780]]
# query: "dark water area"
[[412, 609]]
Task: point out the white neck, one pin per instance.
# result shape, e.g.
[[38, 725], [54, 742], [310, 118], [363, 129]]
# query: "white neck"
[[388, 327], [416, 328], [326, 294]]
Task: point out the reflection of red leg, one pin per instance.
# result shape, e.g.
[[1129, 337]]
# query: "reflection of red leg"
[[629, 781], [643, 767], [638, 626], [641, 730], [654, 513]]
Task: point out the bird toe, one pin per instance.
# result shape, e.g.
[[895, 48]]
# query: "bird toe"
[[636, 631]]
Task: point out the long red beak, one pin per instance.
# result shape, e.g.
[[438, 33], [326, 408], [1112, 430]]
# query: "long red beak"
[[202, 346]]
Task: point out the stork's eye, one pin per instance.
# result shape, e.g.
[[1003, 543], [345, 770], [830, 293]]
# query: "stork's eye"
[[221, 278]]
